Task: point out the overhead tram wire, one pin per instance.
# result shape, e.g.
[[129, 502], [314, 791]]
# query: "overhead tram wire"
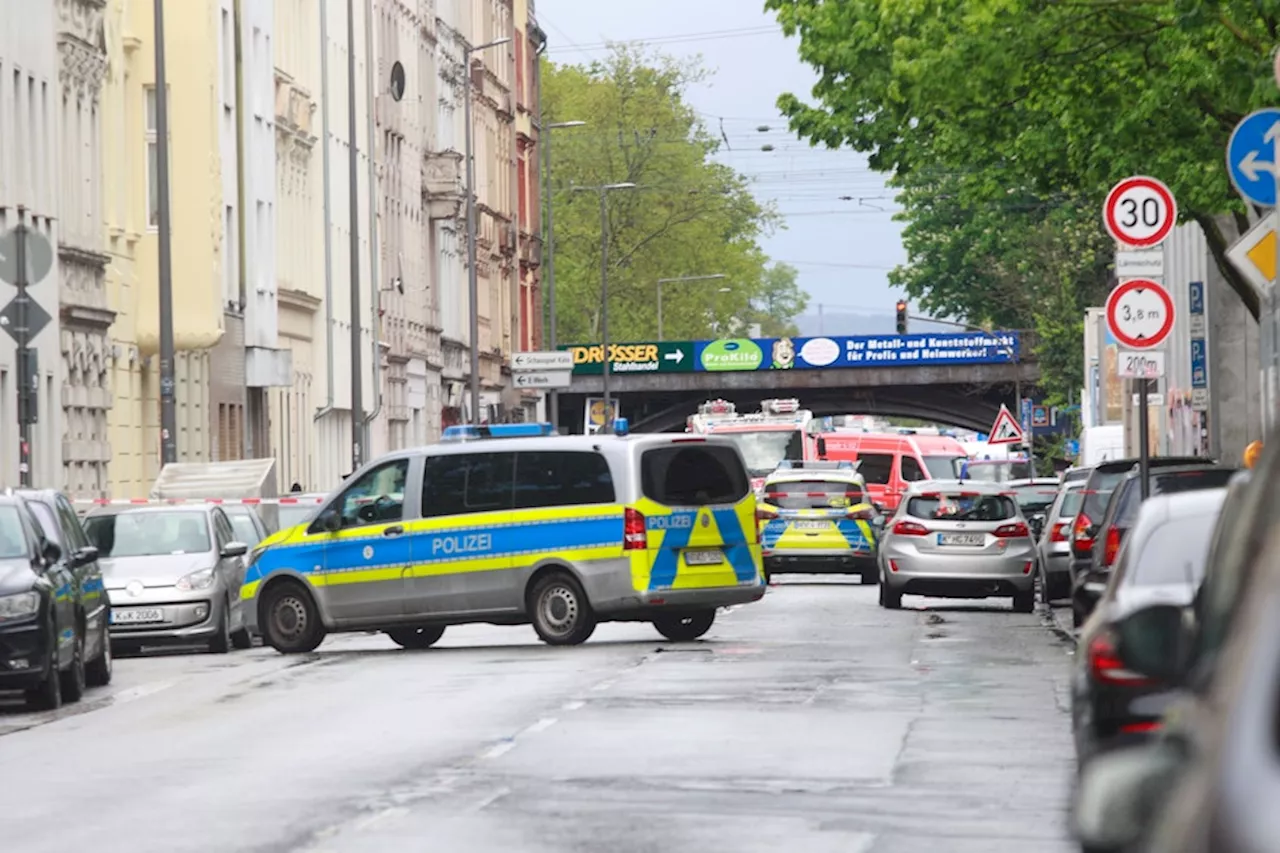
[[673, 38]]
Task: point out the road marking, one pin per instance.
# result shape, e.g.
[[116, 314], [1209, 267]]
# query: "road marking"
[[500, 749], [604, 685], [572, 706], [378, 817], [132, 694], [540, 726], [490, 800]]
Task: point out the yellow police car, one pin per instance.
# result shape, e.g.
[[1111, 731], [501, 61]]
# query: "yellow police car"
[[816, 517], [512, 524]]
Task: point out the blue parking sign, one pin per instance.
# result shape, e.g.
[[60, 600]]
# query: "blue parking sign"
[[1199, 364]]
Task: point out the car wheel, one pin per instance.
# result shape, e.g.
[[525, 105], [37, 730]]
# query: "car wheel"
[[241, 639], [48, 696], [1024, 602], [684, 627], [73, 679], [291, 621], [869, 577], [220, 642], [890, 599], [561, 614], [421, 637], [98, 672]]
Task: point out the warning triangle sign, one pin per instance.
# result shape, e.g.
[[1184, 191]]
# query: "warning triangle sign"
[[1005, 430]]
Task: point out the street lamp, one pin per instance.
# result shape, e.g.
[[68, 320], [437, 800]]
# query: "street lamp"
[[603, 190], [473, 283], [684, 278], [554, 398]]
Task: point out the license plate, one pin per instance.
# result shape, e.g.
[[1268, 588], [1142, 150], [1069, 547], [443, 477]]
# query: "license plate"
[[813, 525], [136, 616], [970, 539], [707, 557]]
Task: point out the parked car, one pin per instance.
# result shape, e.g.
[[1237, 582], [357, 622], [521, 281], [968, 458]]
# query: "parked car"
[[1121, 512], [298, 509], [246, 523], [1034, 496], [60, 524], [42, 627], [1209, 781], [1054, 548], [173, 574], [1163, 562], [957, 540]]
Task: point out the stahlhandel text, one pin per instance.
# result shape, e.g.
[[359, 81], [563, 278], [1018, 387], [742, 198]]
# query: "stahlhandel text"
[[624, 353], [468, 543]]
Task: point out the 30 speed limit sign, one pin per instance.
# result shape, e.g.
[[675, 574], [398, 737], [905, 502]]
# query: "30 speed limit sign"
[[1140, 212]]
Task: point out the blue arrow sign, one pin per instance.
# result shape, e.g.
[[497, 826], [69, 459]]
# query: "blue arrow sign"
[[1251, 156]]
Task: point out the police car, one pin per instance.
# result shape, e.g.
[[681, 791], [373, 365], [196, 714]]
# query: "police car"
[[512, 524], [817, 517]]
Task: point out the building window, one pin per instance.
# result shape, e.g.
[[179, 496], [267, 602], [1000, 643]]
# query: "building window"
[[153, 162]]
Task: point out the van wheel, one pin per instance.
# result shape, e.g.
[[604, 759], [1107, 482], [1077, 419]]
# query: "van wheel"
[[48, 695], [1024, 602], [685, 627], [890, 599], [422, 637], [291, 621], [98, 671], [562, 616]]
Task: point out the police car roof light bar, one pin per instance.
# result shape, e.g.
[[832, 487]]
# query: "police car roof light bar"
[[472, 432]]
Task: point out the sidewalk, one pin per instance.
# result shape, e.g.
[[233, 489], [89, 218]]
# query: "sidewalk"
[[1058, 620]]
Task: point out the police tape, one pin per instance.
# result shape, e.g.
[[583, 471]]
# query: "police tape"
[[177, 501]]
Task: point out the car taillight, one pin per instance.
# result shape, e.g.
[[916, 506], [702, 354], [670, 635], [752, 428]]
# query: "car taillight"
[[1058, 533], [1111, 546], [910, 528], [1081, 543], [635, 537], [1107, 666], [1017, 530]]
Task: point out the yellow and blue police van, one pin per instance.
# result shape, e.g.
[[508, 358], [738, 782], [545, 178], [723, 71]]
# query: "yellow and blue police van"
[[816, 517], [513, 524]]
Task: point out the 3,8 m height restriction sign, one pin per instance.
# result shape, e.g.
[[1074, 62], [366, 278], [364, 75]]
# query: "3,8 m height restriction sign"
[[1140, 313], [1140, 212]]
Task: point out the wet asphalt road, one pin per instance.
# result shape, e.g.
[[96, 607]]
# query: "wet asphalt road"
[[812, 721]]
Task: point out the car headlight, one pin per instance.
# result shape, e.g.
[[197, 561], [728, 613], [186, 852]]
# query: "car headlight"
[[202, 579], [19, 606]]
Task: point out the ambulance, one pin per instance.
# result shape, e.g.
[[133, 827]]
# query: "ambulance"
[[765, 438]]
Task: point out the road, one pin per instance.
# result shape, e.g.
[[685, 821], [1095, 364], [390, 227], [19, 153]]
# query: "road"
[[813, 720]]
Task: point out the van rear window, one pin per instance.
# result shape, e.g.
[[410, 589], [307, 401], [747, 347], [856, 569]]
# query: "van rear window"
[[812, 494], [693, 475]]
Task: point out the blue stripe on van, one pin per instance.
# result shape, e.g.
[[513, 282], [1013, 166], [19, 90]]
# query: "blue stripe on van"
[[736, 549]]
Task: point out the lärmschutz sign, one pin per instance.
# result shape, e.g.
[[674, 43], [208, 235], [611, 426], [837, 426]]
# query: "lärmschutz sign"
[[837, 351]]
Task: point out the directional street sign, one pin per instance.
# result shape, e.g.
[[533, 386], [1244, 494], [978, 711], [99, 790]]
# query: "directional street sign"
[[653, 357], [530, 361], [543, 379], [1254, 254], [1140, 212], [39, 256], [1252, 156], [1005, 430], [37, 318], [1140, 313]]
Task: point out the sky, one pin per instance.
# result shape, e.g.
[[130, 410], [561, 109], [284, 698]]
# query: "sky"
[[843, 247]]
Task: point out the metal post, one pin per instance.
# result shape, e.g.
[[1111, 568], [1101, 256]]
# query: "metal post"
[[168, 411], [23, 358], [544, 139], [1144, 451], [353, 199], [604, 305], [473, 282]]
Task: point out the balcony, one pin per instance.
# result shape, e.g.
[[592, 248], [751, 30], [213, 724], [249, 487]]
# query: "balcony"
[[442, 184]]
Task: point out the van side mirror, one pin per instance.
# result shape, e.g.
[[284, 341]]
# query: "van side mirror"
[[1156, 641], [328, 521], [822, 447], [86, 555], [1119, 795], [52, 552]]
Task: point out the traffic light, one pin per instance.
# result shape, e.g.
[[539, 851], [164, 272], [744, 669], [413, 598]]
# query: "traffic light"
[[902, 316]]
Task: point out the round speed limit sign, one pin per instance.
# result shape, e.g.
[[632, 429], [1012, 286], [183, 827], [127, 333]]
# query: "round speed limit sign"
[[1140, 212]]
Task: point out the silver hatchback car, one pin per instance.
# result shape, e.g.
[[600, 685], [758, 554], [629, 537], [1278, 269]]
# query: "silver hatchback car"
[[958, 539], [173, 575]]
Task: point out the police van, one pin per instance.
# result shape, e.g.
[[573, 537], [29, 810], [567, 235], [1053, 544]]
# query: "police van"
[[817, 517], [511, 524]]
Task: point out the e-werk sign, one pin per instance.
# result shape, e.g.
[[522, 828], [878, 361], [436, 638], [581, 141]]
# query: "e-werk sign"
[[749, 354]]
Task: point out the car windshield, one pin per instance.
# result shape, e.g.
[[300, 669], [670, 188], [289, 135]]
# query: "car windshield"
[[763, 451], [1175, 553], [1071, 503], [1034, 497], [944, 467], [149, 534], [962, 506], [13, 542], [812, 494]]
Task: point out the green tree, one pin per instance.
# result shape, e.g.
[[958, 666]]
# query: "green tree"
[[780, 301], [688, 215], [1041, 96]]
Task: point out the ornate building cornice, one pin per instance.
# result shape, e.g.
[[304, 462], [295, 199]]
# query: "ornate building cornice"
[[82, 47]]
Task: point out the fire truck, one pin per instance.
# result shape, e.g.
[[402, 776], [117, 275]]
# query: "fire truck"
[[766, 437]]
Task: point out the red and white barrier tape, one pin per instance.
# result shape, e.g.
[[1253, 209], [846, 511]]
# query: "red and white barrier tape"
[[174, 501]]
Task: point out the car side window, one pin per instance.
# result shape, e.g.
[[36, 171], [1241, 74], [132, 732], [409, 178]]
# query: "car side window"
[[911, 470], [876, 467], [467, 482], [45, 518], [70, 524], [377, 497], [223, 528], [562, 478]]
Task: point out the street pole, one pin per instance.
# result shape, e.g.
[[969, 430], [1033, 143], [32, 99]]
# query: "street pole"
[[168, 408], [473, 281], [544, 138], [26, 399], [353, 200], [1144, 450], [604, 306]]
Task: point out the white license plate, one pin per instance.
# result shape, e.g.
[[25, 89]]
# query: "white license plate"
[[706, 557], [137, 616], [970, 539], [813, 525]]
